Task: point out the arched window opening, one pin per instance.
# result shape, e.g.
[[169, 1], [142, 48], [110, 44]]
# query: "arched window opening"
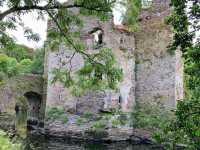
[[34, 105], [97, 34], [98, 37]]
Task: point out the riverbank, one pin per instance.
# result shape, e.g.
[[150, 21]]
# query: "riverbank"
[[88, 131], [85, 133]]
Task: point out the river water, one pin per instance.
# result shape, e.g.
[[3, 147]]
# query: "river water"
[[44, 143]]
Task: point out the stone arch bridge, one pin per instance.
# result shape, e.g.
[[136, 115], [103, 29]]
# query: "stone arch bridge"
[[23, 93]]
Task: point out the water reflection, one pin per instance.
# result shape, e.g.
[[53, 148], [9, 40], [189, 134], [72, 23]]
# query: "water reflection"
[[21, 123], [45, 143]]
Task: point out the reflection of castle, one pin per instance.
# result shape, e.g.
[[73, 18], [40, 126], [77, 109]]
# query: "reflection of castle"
[[150, 72]]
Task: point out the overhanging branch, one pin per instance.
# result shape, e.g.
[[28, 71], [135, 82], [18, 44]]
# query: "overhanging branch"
[[92, 61], [46, 8]]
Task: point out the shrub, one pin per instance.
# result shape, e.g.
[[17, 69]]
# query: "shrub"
[[116, 123], [88, 115], [151, 117], [57, 113], [80, 121], [99, 125], [25, 66], [161, 123]]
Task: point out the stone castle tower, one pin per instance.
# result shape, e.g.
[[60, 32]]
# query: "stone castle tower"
[[151, 73]]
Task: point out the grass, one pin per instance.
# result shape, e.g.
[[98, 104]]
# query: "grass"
[[6, 144]]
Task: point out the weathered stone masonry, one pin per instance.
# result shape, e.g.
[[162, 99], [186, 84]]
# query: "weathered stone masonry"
[[151, 73], [122, 44], [23, 93], [159, 73]]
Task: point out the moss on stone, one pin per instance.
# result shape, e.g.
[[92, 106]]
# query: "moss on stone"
[[22, 102], [13, 90]]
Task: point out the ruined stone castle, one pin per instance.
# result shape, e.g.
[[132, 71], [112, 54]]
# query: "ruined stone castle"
[[150, 73]]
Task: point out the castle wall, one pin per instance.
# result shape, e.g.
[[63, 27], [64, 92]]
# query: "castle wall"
[[151, 73], [57, 94], [122, 45], [159, 73]]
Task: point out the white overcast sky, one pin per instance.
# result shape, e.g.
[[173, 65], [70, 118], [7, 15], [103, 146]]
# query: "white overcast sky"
[[40, 27]]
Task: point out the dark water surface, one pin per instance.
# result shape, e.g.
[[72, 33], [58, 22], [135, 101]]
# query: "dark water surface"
[[42, 143]]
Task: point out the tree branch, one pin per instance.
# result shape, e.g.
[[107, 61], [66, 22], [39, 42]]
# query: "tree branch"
[[46, 8], [92, 61]]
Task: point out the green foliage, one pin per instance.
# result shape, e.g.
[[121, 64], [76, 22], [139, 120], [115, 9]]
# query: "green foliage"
[[170, 140], [37, 66], [188, 119], [57, 113], [88, 115], [132, 14], [99, 125], [115, 119], [104, 6], [161, 123], [8, 66], [25, 66], [81, 121], [180, 23], [12, 67], [187, 114], [168, 128], [118, 118], [101, 73], [116, 123], [6, 144], [20, 61], [150, 116], [17, 51], [62, 76]]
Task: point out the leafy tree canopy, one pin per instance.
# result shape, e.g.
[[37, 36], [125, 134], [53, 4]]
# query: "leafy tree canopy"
[[17, 51]]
